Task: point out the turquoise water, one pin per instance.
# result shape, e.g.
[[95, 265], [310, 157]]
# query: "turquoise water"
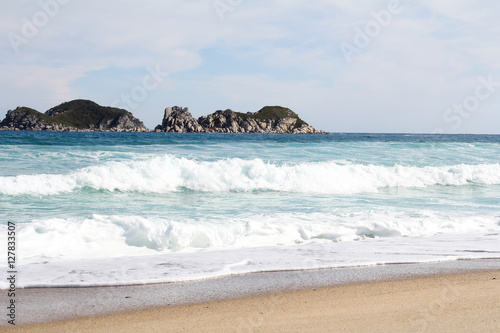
[[120, 195]]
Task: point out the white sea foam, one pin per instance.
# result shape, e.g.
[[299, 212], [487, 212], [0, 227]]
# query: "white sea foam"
[[184, 266], [115, 236], [117, 250], [168, 173]]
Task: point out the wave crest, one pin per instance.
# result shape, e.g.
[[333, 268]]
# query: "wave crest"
[[168, 173]]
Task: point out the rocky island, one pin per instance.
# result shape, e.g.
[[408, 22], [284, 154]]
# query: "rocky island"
[[269, 119], [85, 115], [76, 115]]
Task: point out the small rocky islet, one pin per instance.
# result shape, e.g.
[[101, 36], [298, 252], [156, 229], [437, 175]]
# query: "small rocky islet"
[[85, 115], [76, 115]]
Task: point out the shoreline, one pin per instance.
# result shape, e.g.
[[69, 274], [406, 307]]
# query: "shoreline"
[[55, 306]]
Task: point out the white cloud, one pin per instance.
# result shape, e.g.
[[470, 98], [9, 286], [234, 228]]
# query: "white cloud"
[[38, 87], [428, 57]]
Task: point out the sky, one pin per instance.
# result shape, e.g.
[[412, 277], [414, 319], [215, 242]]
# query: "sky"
[[344, 66]]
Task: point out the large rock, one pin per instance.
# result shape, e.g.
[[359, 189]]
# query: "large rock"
[[178, 119], [270, 119], [27, 119], [72, 116]]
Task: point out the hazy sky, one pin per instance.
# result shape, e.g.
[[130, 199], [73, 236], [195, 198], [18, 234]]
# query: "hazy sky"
[[342, 65]]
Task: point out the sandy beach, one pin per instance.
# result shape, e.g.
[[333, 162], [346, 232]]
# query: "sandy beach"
[[461, 297]]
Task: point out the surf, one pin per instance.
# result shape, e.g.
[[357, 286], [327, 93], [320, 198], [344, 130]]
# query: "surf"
[[168, 173]]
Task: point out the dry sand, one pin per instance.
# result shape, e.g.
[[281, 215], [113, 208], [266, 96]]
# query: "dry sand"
[[467, 302]]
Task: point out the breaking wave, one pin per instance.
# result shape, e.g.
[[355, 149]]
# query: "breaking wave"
[[114, 236], [167, 173]]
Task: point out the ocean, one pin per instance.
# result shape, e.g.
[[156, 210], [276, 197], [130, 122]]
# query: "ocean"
[[98, 209]]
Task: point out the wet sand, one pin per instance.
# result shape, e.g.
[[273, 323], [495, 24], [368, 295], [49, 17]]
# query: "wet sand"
[[455, 296]]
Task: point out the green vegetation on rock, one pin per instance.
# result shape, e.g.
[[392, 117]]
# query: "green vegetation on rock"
[[278, 112], [84, 114], [271, 112]]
